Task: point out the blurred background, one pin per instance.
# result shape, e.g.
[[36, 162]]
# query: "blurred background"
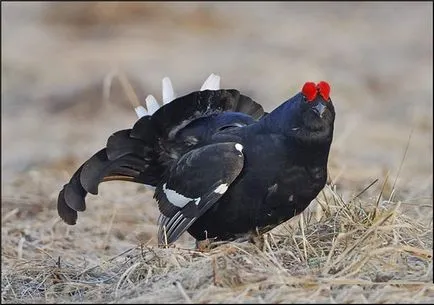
[[378, 58]]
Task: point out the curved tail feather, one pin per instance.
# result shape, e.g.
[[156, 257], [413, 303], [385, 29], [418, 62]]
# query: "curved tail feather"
[[124, 158], [121, 143]]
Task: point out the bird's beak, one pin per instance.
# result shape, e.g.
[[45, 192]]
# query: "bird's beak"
[[319, 109]]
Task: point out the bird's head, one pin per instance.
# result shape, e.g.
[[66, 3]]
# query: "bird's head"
[[308, 116], [315, 117], [317, 112], [314, 120]]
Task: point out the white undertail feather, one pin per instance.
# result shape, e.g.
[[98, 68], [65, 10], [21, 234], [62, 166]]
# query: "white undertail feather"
[[168, 93], [211, 83], [151, 104], [140, 111]]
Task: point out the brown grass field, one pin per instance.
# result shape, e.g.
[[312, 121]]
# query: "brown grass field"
[[368, 236]]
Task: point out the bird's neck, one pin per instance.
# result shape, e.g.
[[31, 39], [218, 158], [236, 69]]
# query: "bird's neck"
[[312, 155], [281, 120]]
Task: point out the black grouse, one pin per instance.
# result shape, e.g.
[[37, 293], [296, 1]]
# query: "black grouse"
[[222, 168]]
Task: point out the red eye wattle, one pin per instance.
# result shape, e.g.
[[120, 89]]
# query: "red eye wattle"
[[324, 90], [309, 90]]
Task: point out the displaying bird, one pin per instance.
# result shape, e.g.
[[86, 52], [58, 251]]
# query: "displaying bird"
[[221, 166]]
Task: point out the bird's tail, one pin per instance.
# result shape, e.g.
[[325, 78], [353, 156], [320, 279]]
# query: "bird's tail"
[[129, 156]]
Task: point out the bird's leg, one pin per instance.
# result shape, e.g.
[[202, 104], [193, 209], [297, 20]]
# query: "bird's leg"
[[203, 245], [257, 239], [206, 244]]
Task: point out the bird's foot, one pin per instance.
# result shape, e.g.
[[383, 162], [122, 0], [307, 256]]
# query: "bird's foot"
[[258, 240], [206, 245], [253, 237]]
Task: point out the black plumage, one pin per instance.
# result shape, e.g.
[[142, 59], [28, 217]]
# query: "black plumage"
[[222, 167]]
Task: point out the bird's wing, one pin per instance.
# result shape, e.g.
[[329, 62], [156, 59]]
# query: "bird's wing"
[[194, 184]]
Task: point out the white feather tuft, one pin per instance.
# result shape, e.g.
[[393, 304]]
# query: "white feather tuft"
[[168, 93], [151, 104], [140, 111], [211, 83]]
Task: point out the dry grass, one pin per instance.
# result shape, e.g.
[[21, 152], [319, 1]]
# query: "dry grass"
[[374, 248], [338, 251]]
